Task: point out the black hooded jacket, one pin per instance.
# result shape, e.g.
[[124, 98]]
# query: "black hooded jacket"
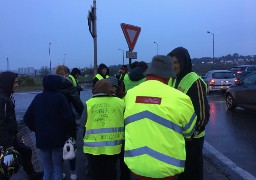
[[8, 124], [49, 115], [136, 74], [197, 91], [71, 94]]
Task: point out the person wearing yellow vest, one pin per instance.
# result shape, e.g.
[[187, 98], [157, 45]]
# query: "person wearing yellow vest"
[[191, 84], [122, 72], [136, 76], [75, 73], [104, 132], [158, 118], [102, 73]]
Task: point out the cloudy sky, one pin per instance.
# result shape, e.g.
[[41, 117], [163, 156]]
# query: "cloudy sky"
[[28, 26]]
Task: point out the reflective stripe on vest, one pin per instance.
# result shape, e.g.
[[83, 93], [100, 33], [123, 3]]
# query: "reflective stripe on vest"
[[104, 130], [156, 155], [73, 80], [129, 84], [105, 126], [160, 120], [154, 133], [155, 118], [103, 143]]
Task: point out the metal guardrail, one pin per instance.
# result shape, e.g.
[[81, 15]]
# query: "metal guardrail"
[[25, 135]]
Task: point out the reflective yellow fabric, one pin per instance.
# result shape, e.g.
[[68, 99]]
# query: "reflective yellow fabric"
[[105, 126], [73, 80], [185, 85], [129, 84], [154, 133], [100, 76]]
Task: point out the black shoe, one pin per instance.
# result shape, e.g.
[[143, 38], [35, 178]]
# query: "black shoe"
[[36, 176]]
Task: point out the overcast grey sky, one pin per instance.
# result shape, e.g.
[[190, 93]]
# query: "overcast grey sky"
[[28, 26]]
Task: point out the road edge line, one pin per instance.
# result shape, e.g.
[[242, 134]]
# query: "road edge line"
[[233, 166]]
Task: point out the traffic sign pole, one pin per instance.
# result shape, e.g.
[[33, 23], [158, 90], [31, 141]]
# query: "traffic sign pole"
[[131, 34]]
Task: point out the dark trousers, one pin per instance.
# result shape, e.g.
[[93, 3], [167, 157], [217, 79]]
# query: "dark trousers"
[[194, 160], [103, 167], [26, 156], [124, 170]]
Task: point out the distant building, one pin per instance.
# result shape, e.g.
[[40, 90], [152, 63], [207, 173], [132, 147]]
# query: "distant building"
[[26, 71]]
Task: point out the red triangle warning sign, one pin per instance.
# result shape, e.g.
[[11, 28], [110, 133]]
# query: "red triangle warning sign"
[[131, 34]]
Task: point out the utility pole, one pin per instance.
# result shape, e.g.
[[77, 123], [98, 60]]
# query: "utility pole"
[[92, 18]]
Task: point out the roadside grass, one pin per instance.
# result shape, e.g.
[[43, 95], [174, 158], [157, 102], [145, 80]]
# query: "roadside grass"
[[38, 86]]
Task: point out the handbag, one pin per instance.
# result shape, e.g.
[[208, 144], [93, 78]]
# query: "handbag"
[[69, 149]]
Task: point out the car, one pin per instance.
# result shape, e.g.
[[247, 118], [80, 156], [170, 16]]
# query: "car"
[[219, 80], [243, 93], [241, 71]]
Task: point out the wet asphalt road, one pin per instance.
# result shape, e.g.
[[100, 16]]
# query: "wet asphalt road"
[[233, 134]]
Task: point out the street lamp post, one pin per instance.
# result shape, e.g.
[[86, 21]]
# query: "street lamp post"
[[7, 62], [123, 54], [212, 46], [64, 59], [50, 57], [156, 48]]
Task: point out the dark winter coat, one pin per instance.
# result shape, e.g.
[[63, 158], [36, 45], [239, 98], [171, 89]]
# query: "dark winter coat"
[[197, 91], [8, 124], [49, 115], [68, 89]]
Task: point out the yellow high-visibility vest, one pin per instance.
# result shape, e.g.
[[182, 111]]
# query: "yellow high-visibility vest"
[[185, 85], [105, 126], [99, 76], [73, 80], [129, 84], [157, 118]]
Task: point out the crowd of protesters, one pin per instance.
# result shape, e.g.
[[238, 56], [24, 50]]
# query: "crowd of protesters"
[[149, 118]]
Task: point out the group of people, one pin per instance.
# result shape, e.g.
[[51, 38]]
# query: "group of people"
[[151, 118]]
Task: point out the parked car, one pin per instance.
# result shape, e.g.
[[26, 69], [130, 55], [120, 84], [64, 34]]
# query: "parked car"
[[219, 80], [243, 93], [241, 71]]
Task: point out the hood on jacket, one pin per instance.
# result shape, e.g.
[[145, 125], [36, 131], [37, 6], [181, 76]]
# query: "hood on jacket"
[[52, 82], [75, 71], [184, 59], [7, 81], [137, 73], [102, 66]]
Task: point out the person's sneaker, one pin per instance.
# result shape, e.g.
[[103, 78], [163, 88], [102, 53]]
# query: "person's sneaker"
[[63, 176], [73, 176], [35, 176]]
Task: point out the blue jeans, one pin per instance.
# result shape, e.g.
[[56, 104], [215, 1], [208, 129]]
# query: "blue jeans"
[[52, 162]]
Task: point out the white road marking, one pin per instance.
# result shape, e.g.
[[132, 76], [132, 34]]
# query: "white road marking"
[[241, 172]]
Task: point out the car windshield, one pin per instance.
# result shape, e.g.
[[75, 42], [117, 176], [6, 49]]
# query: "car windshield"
[[237, 69], [223, 75]]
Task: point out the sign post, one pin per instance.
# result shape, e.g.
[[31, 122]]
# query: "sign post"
[[131, 34]]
